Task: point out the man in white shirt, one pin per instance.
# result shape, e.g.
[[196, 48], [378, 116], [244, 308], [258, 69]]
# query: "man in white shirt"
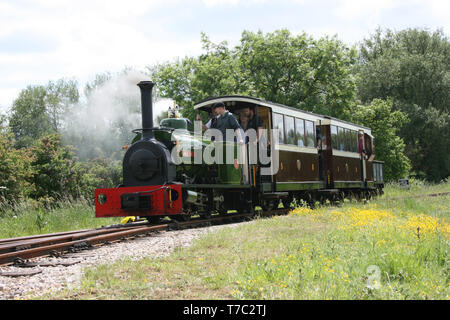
[[214, 116]]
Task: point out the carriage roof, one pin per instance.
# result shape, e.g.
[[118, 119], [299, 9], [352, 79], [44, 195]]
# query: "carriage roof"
[[206, 104]]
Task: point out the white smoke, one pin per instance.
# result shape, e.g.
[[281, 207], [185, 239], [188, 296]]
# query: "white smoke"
[[103, 121]]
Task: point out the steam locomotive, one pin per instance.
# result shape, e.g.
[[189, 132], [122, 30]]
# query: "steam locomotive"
[[306, 156]]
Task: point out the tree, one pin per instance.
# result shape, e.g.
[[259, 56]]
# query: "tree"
[[41, 110], [15, 169], [412, 67], [384, 124], [299, 71], [56, 174], [293, 70], [29, 120], [61, 95]]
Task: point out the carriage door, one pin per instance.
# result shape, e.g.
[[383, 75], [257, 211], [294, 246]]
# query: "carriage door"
[[370, 155], [325, 152], [362, 150], [264, 143]]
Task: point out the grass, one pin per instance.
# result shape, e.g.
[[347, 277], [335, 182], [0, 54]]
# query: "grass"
[[385, 249], [27, 218]]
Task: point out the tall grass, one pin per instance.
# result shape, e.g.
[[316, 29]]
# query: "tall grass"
[[30, 217]]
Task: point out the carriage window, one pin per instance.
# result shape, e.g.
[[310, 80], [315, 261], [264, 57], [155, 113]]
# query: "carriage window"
[[289, 126], [300, 130], [278, 124], [309, 133], [334, 138], [348, 140], [354, 141], [341, 139]]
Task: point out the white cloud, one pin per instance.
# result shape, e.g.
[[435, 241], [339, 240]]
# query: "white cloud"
[[89, 37], [215, 3], [372, 10], [7, 95], [440, 10]]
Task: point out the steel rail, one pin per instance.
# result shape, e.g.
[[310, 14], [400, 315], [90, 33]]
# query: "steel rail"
[[48, 240], [10, 257], [44, 235]]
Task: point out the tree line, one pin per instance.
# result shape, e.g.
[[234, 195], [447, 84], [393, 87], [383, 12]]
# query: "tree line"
[[396, 83]]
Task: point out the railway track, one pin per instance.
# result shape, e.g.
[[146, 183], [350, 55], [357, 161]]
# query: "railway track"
[[17, 251]]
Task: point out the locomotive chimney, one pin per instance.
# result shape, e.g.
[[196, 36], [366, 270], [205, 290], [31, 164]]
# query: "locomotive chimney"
[[147, 108]]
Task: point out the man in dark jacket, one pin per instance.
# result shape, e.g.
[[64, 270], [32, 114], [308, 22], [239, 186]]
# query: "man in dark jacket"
[[226, 121], [254, 121]]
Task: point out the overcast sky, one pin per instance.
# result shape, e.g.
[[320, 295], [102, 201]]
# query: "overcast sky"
[[42, 40]]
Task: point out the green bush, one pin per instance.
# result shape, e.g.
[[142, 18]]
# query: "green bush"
[[58, 174], [15, 170]]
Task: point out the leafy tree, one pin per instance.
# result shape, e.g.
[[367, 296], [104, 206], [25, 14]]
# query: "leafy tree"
[[108, 174], [412, 67], [384, 124], [29, 120], [56, 173], [293, 70], [298, 71], [99, 80], [61, 95], [40, 110], [15, 168]]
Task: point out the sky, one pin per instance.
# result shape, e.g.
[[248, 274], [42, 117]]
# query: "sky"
[[43, 40]]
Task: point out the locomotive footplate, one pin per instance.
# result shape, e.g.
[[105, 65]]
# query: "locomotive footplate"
[[140, 201]]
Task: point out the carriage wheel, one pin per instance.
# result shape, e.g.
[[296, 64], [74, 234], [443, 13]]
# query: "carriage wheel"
[[287, 203], [268, 204]]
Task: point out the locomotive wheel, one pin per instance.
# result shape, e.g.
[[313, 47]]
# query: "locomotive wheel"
[[181, 217], [205, 215], [153, 219]]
